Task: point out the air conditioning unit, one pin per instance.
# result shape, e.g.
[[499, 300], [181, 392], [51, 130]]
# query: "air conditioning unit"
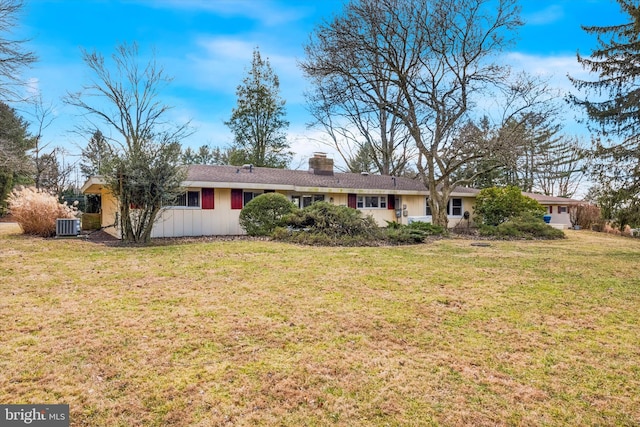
[[67, 227]]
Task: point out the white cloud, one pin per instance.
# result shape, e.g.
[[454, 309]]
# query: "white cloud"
[[548, 15], [553, 68], [222, 62], [33, 86], [269, 13]]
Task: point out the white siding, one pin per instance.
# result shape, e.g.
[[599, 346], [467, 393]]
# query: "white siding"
[[181, 221]]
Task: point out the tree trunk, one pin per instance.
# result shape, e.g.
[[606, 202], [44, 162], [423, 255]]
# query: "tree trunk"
[[438, 204]]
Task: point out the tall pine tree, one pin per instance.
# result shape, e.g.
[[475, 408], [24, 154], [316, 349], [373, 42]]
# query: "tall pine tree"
[[15, 142], [258, 121], [612, 104], [97, 155]]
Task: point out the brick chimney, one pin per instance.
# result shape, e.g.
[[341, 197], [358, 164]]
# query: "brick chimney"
[[320, 165]]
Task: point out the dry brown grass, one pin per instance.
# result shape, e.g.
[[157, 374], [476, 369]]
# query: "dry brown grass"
[[36, 211], [262, 333]]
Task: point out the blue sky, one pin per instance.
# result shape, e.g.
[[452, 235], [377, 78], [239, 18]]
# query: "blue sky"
[[206, 45]]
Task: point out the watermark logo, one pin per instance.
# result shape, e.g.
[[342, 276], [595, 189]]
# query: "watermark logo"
[[34, 415]]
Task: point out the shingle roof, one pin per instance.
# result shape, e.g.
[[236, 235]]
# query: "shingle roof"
[[297, 178], [283, 178], [541, 198]]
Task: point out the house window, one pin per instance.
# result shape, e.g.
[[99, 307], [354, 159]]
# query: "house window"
[[248, 196], [371, 202], [306, 200], [562, 209], [189, 199], [454, 207], [240, 198]]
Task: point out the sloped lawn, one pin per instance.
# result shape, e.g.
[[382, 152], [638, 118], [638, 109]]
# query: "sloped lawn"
[[263, 333]]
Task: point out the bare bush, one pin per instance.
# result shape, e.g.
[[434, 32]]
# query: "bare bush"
[[36, 211], [585, 215]]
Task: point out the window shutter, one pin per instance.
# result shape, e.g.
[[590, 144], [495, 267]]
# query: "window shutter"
[[352, 201], [207, 198], [550, 209], [236, 198], [391, 201]]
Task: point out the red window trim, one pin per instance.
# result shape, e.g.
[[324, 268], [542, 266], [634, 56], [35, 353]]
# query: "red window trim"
[[208, 199], [236, 198], [391, 202], [352, 200]]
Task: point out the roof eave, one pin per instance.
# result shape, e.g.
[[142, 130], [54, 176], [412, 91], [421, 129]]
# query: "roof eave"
[[93, 185]]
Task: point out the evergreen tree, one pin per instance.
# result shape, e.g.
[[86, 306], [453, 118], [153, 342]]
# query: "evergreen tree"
[[363, 160], [96, 156], [213, 156], [612, 104], [258, 121], [545, 161], [15, 142]]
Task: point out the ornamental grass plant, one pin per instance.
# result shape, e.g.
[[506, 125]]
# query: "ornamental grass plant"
[[37, 210]]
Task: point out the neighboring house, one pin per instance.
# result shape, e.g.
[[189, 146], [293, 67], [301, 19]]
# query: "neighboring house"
[[215, 195], [557, 207]]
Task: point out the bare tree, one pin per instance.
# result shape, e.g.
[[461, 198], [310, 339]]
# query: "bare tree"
[[561, 168], [44, 160], [13, 57], [362, 131], [437, 56], [145, 173], [55, 172]]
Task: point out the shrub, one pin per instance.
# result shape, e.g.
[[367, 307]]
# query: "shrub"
[[429, 229], [627, 217], [393, 225], [303, 237], [262, 215], [525, 226], [333, 220], [36, 211], [326, 224], [496, 205], [329, 225], [405, 235], [585, 215], [415, 232]]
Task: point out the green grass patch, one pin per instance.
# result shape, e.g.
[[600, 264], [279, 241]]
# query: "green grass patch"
[[267, 333]]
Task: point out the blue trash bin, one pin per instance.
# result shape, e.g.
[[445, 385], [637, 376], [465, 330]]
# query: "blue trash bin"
[[547, 218]]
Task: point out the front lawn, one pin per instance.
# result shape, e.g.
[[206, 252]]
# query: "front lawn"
[[264, 333]]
